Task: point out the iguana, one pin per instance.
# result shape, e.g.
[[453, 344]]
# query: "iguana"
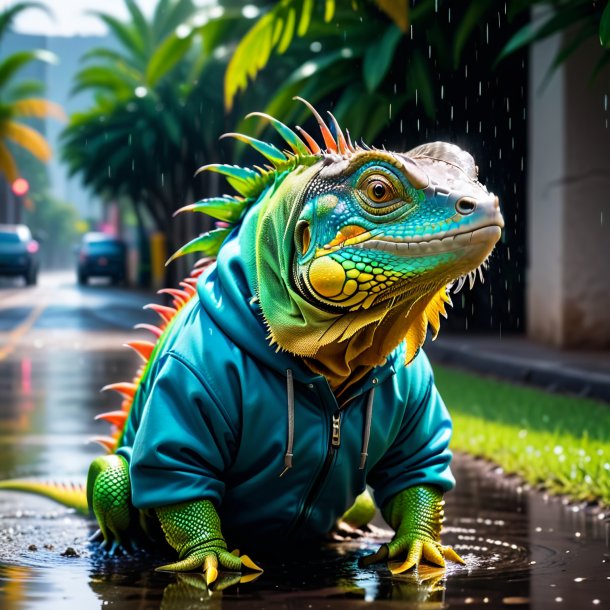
[[288, 374]]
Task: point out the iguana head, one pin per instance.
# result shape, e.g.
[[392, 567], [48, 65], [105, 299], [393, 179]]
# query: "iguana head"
[[353, 249], [377, 226]]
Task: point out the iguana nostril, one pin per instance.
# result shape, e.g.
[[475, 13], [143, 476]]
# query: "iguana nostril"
[[466, 206]]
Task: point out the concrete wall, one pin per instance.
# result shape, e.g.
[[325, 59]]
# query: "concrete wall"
[[568, 280]]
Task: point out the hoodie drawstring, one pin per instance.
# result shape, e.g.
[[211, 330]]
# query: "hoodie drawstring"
[[367, 428], [366, 434], [290, 444]]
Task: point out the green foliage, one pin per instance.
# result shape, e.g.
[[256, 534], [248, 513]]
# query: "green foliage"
[[558, 442], [378, 57], [17, 103], [274, 30], [347, 47]]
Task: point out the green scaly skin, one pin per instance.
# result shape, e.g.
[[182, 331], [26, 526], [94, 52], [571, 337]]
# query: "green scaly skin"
[[416, 515], [193, 530], [352, 253]]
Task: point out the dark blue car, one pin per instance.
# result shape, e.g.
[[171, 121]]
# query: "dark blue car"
[[101, 255], [18, 253]]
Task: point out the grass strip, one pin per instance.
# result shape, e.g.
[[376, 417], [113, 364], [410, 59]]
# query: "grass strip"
[[559, 442]]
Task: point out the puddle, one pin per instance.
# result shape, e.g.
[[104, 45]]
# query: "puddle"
[[521, 548]]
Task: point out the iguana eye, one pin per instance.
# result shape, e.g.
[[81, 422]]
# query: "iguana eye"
[[378, 191], [379, 195]]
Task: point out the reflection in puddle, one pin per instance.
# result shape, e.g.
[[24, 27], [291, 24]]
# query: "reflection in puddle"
[[521, 549]]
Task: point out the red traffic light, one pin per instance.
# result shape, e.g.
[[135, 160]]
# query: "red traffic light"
[[20, 186]]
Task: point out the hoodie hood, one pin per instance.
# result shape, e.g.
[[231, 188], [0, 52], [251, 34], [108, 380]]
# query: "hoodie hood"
[[227, 292]]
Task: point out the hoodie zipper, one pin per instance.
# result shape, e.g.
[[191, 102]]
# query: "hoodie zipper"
[[333, 446]]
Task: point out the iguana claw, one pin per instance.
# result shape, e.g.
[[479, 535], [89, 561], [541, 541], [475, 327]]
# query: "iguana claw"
[[210, 561]]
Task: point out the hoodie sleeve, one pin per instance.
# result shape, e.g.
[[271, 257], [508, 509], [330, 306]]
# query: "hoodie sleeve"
[[185, 439], [419, 455]]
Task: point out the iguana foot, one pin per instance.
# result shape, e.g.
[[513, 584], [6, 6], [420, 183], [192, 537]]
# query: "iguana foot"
[[193, 529], [416, 514]]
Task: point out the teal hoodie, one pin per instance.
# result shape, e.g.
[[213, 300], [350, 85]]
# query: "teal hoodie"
[[225, 417]]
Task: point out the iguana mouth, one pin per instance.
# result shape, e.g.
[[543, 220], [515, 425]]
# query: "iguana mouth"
[[424, 245]]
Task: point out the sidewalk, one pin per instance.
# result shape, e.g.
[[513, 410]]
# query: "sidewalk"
[[516, 358]]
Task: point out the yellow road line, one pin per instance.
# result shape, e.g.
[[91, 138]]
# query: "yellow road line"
[[22, 329]]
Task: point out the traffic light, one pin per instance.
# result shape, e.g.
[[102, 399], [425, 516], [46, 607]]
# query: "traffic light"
[[20, 187]]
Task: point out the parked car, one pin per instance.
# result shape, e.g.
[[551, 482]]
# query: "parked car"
[[101, 255], [19, 253]]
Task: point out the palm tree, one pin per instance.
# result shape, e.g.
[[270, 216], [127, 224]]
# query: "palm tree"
[[20, 100]]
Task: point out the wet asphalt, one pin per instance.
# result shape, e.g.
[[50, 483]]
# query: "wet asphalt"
[[59, 343]]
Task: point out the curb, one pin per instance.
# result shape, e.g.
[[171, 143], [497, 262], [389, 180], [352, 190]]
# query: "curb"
[[552, 376]]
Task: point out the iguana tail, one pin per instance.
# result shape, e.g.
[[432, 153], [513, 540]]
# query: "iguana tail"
[[70, 495]]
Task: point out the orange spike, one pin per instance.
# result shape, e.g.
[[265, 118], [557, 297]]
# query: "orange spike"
[[107, 442], [192, 281], [124, 388], [328, 137], [143, 348], [116, 418], [155, 330], [188, 288], [342, 144], [313, 145], [167, 313], [197, 272], [180, 297], [205, 261]]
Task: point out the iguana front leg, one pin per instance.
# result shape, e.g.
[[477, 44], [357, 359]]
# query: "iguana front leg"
[[416, 514], [193, 529]]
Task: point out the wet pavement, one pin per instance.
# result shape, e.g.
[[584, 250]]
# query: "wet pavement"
[[59, 345]]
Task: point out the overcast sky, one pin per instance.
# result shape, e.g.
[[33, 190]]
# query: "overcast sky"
[[71, 18]]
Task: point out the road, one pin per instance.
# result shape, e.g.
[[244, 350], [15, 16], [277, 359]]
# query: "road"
[[59, 343]]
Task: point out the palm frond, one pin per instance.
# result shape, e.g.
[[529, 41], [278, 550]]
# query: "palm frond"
[[27, 138], [39, 108], [8, 168]]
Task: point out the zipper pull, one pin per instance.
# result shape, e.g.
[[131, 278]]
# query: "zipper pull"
[[336, 437]]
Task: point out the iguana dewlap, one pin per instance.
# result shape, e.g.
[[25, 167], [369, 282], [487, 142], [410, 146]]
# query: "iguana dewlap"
[[288, 374]]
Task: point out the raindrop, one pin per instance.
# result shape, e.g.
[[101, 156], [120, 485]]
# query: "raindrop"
[[250, 11], [315, 47], [182, 31]]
